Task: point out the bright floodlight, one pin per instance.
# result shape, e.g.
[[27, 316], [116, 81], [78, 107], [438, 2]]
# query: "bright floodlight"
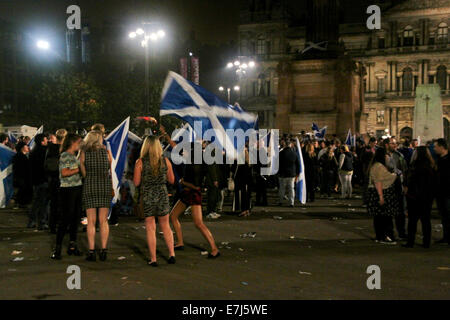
[[132, 35], [221, 89], [153, 37], [161, 34], [237, 63], [140, 31], [230, 65], [43, 45], [237, 88], [244, 66], [251, 64]]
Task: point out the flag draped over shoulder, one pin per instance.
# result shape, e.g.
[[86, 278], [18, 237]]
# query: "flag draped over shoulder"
[[6, 175], [117, 143], [301, 183], [192, 103], [31, 143]]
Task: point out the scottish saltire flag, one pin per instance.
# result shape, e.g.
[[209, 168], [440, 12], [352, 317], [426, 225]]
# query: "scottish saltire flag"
[[6, 177], [31, 143], [319, 133], [12, 138], [274, 154], [117, 143], [348, 140], [183, 99], [301, 183]]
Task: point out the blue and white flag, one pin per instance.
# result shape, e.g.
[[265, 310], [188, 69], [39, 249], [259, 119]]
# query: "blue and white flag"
[[183, 99], [6, 175], [301, 183], [274, 154], [117, 143], [319, 133], [12, 138], [31, 144], [348, 140]]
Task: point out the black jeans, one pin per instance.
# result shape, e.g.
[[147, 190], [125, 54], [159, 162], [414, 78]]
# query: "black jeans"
[[55, 205], [261, 191], [38, 211], [444, 211], [384, 227], [419, 209], [400, 218], [71, 213], [327, 182], [212, 198]]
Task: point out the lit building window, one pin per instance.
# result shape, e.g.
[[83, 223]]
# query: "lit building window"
[[380, 117]]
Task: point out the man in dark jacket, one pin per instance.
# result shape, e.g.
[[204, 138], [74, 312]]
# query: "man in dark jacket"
[[37, 214], [443, 190], [289, 169]]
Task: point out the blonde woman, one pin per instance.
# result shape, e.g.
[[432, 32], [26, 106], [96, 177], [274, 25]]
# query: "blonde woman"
[[95, 164], [152, 172]]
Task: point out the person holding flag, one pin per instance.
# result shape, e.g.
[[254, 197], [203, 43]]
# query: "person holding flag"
[[95, 164]]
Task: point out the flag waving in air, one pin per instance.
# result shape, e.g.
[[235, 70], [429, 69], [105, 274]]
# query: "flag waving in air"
[[301, 183], [6, 177], [191, 103], [319, 133], [117, 143], [31, 143]]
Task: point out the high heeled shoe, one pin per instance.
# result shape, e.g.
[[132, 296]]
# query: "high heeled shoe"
[[73, 250], [103, 254], [171, 260], [91, 256], [210, 256], [153, 264]]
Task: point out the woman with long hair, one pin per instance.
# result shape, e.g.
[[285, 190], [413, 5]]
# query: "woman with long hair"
[[329, 166], [420, 190], [382, 202], [311, 171], [95, 164], [70, 195], [152, 172], [191, 196]]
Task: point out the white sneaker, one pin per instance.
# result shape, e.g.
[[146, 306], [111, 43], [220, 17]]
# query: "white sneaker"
[[213, 215]]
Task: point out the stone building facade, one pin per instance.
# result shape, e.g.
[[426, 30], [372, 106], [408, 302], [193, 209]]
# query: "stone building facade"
[[411, 48]]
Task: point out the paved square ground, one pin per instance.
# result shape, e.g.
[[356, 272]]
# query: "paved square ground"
[[318, 252]]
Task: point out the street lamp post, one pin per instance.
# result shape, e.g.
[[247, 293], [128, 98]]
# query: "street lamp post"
[[149, 36]]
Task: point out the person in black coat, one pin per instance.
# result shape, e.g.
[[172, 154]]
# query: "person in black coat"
[[329, 166], [420, 190], [37, 215], [311, 172], [22, 175], [289, 169]]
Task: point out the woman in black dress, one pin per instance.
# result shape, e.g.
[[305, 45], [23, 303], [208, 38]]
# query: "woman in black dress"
[[420, 191], [191, 196], [95, 164]]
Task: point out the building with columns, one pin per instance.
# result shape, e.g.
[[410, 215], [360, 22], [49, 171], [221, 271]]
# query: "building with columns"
[[411, 48]]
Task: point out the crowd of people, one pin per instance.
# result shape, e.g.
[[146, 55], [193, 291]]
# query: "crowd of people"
[[66, 176]]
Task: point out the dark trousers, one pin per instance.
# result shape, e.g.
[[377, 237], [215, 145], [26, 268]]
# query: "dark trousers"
[[400, 218], [444, 211], [55, 205], [242, 196], [327, 182], [261, 191], [213, 198], [383, 226], [419, 210], [70, 215], [38, 212]]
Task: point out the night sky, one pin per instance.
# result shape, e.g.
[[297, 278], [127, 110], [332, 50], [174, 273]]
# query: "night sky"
[[213, 21]]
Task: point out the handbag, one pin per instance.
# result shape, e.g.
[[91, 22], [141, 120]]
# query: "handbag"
[[231, 184]]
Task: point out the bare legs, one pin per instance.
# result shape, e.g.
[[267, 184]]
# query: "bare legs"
[[150, 226], [104, 227], [179, 208]]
